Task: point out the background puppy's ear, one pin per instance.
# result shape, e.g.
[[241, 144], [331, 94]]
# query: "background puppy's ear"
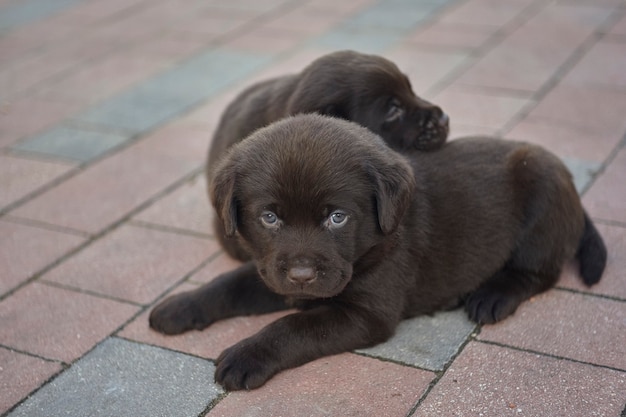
[[394, 187], [222, 194]]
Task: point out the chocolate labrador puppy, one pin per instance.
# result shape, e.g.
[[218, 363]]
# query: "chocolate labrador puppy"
[[367, 89], [360, 237]]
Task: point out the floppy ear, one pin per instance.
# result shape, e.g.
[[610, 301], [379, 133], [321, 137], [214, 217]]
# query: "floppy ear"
[[394, 185], [222, 193], [318, 100]]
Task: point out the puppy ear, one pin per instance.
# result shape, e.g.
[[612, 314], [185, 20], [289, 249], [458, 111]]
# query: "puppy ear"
[[222, 193], [394, 187]]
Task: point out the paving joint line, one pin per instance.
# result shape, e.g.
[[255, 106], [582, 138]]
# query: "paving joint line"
[[102, 233], [549, 355], [605, 164], [470, 338], [170, 229], [92, 293], [29, 91], [32, 355], [590, 294], [561, 71], [43, 225], [494, 40]]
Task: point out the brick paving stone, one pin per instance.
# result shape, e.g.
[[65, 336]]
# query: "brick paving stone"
[[26, 250], [425, 68], [453, 35], [208, 343], [72, 143], [394, 16], [602, 65], [576, 326], [427, 342], [133, 263], [494, 381], [485, 12], [459, 131], [59, 324], [23, 76], [124, 378], [606, 199], [264, 39], [597, 110], [305, 20], [566, 140], [620, 27], [22, 13], [107, 76], [362, 40], [19, 176], [162, 97], [218, 265], [612, 283], [582, 172], [290, 64], [187, 208], [478, 108], [528, 57], [109, 189], [341, 385], [27, 116], [20, 374]]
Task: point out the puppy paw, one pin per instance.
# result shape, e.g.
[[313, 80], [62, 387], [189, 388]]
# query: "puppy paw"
[[178, 314], [487, 305], [245, 366]]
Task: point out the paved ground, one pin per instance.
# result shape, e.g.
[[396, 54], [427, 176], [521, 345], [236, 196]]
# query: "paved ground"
[[106, 110]]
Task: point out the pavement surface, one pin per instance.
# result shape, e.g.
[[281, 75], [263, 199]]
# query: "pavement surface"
[[106, 111]]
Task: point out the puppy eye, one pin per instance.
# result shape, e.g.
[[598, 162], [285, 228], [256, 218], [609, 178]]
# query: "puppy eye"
[[336, 219], [270, 220], [394, 110]]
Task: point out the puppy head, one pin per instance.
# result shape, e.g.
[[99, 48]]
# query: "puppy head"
[[309, 196], [373, 92]]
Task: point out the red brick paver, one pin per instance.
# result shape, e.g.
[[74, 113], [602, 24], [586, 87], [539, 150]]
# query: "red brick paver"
[[493, 381]]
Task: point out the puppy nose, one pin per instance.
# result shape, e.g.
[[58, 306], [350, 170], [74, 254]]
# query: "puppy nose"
[[301, 275]]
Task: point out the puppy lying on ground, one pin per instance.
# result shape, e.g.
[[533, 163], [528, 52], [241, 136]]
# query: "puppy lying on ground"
[[367, 89], [359, 237]]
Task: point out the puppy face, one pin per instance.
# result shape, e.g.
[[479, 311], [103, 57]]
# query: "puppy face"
[[373, 92], [308, 197]]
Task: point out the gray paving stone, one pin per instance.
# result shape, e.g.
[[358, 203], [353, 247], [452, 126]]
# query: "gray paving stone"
[[71, 143], [428, 342], [161, 98], [393, 15], [362, 40], [122, 378], [583, 172], [377, 28], [135, 111], [24, 12]]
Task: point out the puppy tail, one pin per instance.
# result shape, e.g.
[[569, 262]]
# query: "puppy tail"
[[591, 254]]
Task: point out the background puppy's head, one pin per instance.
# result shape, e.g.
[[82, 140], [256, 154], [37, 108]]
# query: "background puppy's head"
[[371, 91], [309, 196]]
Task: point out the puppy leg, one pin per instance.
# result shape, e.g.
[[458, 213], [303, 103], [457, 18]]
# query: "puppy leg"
[[296, 339], [500, 296], [236, 293]]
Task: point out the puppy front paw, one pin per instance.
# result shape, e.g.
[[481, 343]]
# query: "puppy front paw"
[[246, 365], [487, 305], [178, 314]]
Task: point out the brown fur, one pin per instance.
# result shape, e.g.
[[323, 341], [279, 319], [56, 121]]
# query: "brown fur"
[[359, 237], [367, 89]]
